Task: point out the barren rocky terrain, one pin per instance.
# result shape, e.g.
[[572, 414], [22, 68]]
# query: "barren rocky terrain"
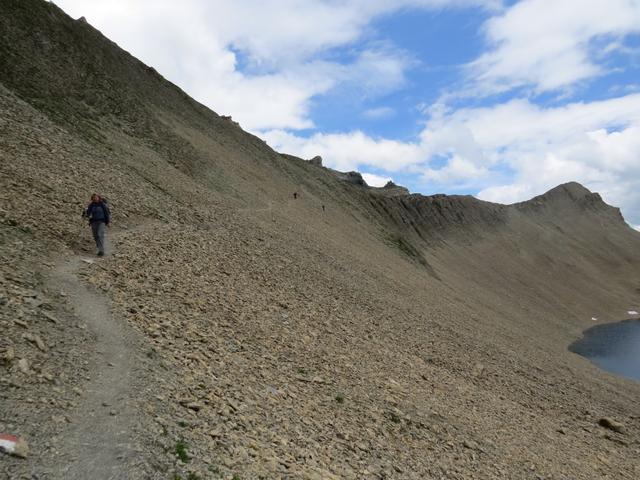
[[236, 332]]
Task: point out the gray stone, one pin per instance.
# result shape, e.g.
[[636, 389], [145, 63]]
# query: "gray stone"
[[611, 424]]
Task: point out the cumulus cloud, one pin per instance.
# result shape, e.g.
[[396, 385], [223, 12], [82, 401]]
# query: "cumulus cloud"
[[375, 180], [459, 172], [550, 44], [349, 151]]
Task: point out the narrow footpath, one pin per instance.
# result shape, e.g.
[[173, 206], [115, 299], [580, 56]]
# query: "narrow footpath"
[[98, 444]]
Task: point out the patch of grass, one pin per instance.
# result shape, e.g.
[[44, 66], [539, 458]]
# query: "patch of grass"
[[340, 398], [404, 246], [193, 476], [302, 371], [407, 248], [395, 418], [236, 477], [181, 451], [183, 424]]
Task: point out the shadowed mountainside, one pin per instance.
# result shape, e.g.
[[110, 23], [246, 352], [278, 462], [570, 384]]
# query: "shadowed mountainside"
[[390, 335]]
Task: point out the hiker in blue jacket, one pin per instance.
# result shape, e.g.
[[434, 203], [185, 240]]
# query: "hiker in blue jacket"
[[99, 216]]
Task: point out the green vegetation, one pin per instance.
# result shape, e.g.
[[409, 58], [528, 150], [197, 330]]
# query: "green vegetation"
[[404, 246], [407, 248], [191, 476], [181, 451], [340, 398], [151, 353]]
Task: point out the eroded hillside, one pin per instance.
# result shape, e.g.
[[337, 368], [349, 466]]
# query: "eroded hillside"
[[385, 336]]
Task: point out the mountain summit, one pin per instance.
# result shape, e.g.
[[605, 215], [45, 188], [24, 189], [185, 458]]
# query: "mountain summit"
[[236, 330]]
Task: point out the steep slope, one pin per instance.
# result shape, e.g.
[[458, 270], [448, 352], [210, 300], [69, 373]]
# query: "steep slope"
[[388, 336]]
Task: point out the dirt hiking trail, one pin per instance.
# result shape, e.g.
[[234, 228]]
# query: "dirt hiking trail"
[[98, 443]]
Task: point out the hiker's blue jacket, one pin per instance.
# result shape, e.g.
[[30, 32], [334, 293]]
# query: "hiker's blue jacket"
[[98, 212]]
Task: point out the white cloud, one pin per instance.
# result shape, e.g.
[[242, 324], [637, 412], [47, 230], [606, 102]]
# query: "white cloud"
[[458, 172], [548, 44], [375, 180], [520, 122], [506, 193], [349, 151], [378, 70]]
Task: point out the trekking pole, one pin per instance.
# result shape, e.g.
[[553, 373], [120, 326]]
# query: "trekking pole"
[[81, 230]]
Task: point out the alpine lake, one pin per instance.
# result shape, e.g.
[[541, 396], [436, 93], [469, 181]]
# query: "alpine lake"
[[614, 347]]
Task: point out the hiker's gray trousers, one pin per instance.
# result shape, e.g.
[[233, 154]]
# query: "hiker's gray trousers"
[[97, 228]]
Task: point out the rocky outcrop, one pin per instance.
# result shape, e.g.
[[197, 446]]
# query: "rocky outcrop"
[[354, 178], [391, 189], [316, 161]]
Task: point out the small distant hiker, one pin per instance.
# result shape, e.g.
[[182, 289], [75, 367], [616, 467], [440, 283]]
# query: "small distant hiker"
[[295, 195], [99, 217], [323, 208]]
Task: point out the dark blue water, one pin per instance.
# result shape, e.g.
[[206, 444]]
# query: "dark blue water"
[[614, 347]]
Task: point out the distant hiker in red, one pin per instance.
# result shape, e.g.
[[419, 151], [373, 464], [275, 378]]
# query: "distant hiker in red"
[[99, 217]]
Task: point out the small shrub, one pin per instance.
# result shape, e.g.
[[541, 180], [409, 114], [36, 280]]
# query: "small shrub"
[[340, 398], [181, 451]]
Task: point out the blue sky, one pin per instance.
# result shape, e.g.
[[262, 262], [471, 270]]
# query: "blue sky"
[[498, 99], [436, 43]]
